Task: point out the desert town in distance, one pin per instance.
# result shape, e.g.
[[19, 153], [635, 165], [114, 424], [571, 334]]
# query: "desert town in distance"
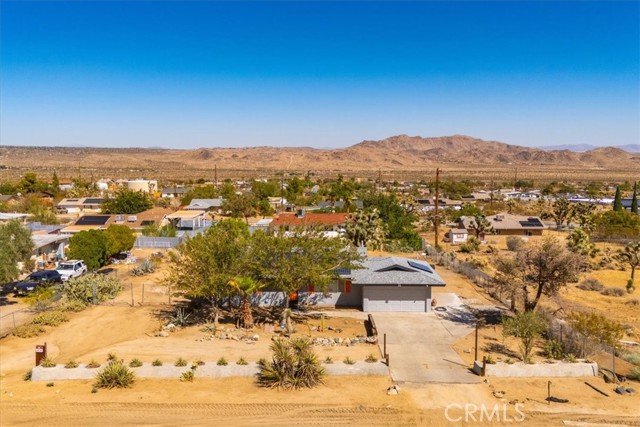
[[303, 214]]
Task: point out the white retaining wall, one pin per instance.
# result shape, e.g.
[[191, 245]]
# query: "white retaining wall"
[[520, 369]]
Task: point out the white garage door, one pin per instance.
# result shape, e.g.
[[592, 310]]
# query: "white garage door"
[[394, 298]]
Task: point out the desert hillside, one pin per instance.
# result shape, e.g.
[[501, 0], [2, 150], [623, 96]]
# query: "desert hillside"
[[398, 153]]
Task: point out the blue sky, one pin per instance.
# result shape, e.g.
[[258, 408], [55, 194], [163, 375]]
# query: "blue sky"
[[322, 74]]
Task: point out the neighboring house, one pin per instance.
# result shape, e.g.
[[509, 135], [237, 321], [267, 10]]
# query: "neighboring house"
[[65, 185], [139, 221], [80, 205], [456, 236], [383, 284], [505, 224], [89, 222], [278, 202], [48, 248], [477, 196], [192, 220], [209, 205], [302, 219], [430, 204], [22, 217], [177, 191]]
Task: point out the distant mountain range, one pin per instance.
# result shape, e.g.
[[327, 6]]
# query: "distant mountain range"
[[399, 153], [581, 148]]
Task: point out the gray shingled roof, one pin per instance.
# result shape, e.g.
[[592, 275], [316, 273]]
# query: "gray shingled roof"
[[197, 204], [395, 271]]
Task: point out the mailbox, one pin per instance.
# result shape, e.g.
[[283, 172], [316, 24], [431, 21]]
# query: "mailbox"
[[41, 353]]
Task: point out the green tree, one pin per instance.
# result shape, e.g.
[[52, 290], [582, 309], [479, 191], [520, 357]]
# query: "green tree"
[[15, 246], [120, 238], [288, 261], [42, 214], [31, 184], [91, 246], [204, 265], [55, 183], [584, 215], [152, 230], [617, 200], [539, 268], [242, 206], [205, 192], [578, 241], [365, 228], [634, 199], [245, 287], [560, 211], [598, 327], [398, 221], [481, 225], [127, 202], [528, 327], [631, 255]]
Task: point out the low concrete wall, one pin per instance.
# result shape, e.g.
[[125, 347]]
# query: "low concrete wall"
[[209, 370], [520, 369]]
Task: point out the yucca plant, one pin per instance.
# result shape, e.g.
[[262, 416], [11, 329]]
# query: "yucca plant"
[[293, 365], [71, 364], [135, 363], [242, 361], [348, 361], [222, 362], [181, 318], [181, 362], [93, 364], [115, 375], [47, 363], [157, 362], [371, 358], [188, 376]]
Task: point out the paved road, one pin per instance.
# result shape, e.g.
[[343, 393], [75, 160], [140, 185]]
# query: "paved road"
[[419, 344]]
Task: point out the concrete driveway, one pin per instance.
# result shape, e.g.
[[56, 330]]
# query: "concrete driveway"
[[419, 344]]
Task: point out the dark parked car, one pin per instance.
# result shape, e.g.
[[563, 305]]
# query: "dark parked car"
[[36, 279]]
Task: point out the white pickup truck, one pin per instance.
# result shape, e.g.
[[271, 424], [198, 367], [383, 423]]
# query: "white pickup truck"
[[70, 269]]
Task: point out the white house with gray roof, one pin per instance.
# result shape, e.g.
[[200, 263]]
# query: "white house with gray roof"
[[383, 284]]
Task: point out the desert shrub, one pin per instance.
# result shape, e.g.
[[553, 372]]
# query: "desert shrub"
[[72, 305], [94, 390], [527, 327], [242, 361], [293, 365], [209, 327], [50, 318], [181, 318], [50, 384], [188, 376], [614, 292], [371, 358], [490, 360], [42, 297], [199, 362], [135, 363], [222, 362], [633, 302], [146, 267], [553, 349], [81, 288], [633, 358], [571, 358], [156, 362], [634, 375], [472, 245], [27, 375], [348, 361], [71, 364], [509, 361], [29, 330], [157, 257], [591, 284], [180, 362], [514, 243], [111, 357], [115, 375], [93, 364], [47, 363], [328, 360]]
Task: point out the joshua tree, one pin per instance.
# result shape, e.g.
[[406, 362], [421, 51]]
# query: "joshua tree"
[[481, 225], [631, 255], [245, 287], [366, 228]]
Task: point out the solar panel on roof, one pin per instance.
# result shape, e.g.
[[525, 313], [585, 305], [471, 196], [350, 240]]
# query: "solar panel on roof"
[[93, 201], [420, 266], [531, 223], [93, 220], [147, 222]]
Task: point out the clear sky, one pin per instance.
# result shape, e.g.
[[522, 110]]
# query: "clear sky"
[[322, 74]]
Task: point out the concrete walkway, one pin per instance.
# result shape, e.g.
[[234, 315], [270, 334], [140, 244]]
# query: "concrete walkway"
[[419, 344]]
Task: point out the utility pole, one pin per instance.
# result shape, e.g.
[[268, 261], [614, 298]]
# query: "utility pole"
[[435, 222], [215, 176], [491, 196]]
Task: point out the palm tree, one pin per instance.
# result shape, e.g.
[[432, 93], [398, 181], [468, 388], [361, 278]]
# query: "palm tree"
[[245, 287]]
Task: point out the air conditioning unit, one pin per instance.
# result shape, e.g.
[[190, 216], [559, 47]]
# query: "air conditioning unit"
[[132, 218]]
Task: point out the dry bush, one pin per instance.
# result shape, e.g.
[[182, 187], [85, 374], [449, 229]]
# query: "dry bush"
[[29, 330], [614, 292], [591, 284], [50, 318]]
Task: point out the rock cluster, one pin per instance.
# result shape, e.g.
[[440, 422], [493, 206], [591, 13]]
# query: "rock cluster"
[[338, 341]]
